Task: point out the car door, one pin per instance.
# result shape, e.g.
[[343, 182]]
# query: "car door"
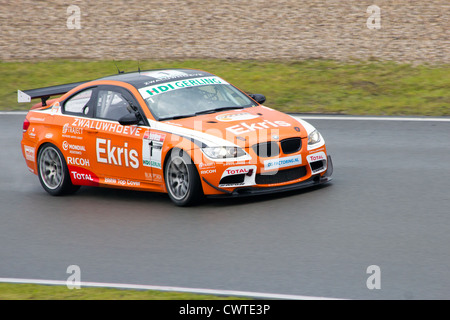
[[118, 148]]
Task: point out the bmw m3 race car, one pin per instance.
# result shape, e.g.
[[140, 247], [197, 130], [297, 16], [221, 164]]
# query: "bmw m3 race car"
[[188, 133]]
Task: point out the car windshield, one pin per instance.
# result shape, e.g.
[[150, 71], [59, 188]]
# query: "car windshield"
[[188, 98]]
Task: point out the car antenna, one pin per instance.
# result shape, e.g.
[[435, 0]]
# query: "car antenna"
[[117, 67], [139, 68]]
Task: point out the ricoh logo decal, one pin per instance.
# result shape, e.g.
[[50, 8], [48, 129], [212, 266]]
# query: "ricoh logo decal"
[[78, 162], [116, 155]]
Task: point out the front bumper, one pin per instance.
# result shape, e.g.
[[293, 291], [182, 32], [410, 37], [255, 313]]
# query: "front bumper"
[[314, 180]]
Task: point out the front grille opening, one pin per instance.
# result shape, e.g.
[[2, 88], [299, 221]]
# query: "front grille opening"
[[291, 145], [317, 165], [237, 178], [281, 176], [266, 149]]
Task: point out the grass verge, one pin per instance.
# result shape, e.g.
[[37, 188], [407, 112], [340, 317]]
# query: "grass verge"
[[52, 292], [311, 86]]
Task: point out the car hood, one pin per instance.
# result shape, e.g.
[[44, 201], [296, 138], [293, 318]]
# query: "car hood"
[[245, 127]]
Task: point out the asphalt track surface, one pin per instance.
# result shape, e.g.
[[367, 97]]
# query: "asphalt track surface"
[[388, 205]]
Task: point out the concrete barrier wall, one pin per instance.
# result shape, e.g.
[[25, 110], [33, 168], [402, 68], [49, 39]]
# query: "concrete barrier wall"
[[404, 30]]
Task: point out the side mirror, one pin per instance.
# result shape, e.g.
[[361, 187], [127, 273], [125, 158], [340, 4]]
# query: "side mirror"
[[129, 119], [260, 98]]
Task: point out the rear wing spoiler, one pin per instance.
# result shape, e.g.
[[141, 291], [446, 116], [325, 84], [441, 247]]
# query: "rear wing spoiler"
[[45, 93]]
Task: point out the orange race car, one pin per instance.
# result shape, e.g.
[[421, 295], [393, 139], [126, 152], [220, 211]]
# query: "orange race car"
[[185, 132]]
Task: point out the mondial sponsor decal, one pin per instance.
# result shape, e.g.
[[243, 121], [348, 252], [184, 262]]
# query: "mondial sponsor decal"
[[282, 162], [150, 91], [73, 148]]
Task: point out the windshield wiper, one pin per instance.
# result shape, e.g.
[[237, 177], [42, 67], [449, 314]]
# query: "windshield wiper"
[[218, 109], [177, 117]]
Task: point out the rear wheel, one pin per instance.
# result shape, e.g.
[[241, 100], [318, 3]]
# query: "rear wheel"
[[53, 172], [182, 180]]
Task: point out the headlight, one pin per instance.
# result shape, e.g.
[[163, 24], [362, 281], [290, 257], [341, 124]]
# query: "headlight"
[[314, 137], [223, 152]]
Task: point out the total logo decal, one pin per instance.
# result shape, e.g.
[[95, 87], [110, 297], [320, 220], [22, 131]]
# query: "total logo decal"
[[83, 176], [316, 157], [319, 156], [266, 124], [238, 171], [282, 162], [247, 171]]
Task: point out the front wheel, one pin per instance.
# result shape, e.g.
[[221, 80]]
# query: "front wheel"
[[53, 172], [182, 180]]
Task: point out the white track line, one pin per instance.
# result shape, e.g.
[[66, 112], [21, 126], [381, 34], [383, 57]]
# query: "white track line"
[[233, 293], [359, 118], [319, 117], [7, 113]]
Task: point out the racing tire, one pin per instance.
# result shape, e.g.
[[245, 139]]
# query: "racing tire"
[[53, 173], [182, 180]]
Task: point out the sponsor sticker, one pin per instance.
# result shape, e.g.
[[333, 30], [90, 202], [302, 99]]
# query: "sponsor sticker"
[[78, 162], [208, 171], [282, 162], [319, 156], [118, 155], [29, 153], [82, 176], [244, 127], [247, 171], [227, 117], [152, 144], [79, 123], [316, 157], [164, 74], [73, 148], [122, 182], [150, 91]]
